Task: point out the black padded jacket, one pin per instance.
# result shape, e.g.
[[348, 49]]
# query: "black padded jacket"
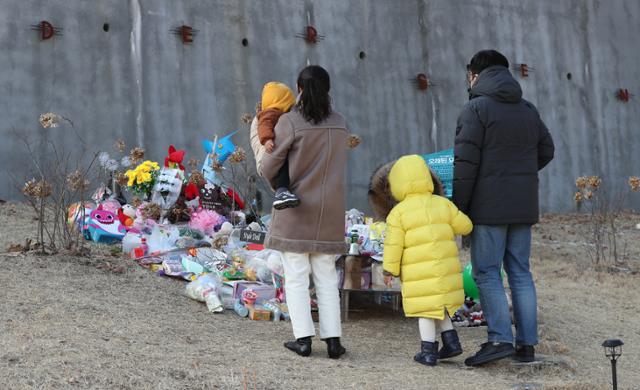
[[501, 143]]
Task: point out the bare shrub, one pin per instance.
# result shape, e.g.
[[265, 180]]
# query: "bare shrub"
[[58, 180], [603, 209]]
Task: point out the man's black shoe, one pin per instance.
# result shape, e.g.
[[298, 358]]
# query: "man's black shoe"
[[490, 352], [525, 353]]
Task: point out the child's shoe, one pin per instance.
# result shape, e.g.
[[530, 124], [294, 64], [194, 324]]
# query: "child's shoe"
[[428, 354], [450, 345], [285, 199]]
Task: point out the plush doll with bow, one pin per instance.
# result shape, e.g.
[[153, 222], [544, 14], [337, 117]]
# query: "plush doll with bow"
[[174, 159]]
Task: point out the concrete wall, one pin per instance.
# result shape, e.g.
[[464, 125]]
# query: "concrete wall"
[[141, 83]]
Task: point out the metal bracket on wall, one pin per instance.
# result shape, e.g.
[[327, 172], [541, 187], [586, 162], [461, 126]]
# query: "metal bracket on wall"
[[623, 95], [523, 69], [186, 33], [47, 30], [422, 82], [310, 35]]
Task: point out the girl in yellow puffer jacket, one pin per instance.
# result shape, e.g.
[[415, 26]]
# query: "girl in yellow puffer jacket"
[[420, 248]]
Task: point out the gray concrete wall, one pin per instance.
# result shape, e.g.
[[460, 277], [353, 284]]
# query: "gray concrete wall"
[[140, 83]]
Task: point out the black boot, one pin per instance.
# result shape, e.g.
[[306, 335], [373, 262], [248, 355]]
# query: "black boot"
[[334, 348], [428, 354], [450, 345], [301, 346]]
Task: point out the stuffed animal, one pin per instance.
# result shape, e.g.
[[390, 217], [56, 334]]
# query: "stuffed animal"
[[206, 221], [174, 159], [167, 188], [103, 226], [111, 205], [213, 198], [126, 215], [192, 195]]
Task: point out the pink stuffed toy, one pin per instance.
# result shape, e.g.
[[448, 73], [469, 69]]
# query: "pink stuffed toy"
[[111, 205], [140, 223], [205, 220]]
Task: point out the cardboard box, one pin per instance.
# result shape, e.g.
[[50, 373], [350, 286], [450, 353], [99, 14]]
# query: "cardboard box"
[[259, 314], [265, 291], [365, 279], [377, 279], [352, 273]]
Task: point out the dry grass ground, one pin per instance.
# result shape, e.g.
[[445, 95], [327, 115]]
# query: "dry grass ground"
[[64, 323]]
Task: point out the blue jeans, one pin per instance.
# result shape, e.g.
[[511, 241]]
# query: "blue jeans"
[[492, 248]]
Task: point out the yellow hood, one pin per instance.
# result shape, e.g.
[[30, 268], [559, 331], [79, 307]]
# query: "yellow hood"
[[410, 175], [277, 95]]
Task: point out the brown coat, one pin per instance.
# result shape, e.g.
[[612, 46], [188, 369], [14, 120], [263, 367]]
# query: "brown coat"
[[267, 120], [317, 157]]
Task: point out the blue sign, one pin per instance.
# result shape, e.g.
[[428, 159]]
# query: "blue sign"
[[442, 164]]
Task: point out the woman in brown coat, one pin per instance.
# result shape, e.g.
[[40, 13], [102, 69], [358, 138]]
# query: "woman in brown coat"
[[314, 140]]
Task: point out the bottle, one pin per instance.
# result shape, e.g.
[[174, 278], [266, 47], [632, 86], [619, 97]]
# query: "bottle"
[[354, 248], [240, 309]]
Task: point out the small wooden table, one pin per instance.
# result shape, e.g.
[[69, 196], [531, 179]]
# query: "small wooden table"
[[346, 293]]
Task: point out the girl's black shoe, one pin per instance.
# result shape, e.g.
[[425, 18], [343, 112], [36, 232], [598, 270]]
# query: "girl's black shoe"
[[428, 354], [334, 348], [301, 346], [450, 345]]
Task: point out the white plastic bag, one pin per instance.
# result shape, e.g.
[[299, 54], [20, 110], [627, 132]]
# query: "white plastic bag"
[[260, 268], [205, 289], [163, 238], [131, 241]]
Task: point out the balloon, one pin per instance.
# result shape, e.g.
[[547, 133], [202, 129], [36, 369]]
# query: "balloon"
[[470, 287]]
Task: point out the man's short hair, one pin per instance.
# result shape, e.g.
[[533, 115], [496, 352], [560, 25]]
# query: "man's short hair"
[[486, 58]]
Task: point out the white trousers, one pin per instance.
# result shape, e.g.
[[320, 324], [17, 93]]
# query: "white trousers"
[[322, 267], [428, 327]]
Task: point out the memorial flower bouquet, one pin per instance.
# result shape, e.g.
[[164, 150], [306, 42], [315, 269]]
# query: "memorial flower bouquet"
[[142, 178]]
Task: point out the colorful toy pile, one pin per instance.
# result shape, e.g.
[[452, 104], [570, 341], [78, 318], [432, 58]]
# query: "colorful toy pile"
[[189, 226], [195, 227]]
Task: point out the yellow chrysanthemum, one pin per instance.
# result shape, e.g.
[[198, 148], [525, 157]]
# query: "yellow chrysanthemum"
[[131, 175], [144, 177], [150, 165]]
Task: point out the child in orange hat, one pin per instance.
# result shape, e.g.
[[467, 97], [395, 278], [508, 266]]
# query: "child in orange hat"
[[277, 99]]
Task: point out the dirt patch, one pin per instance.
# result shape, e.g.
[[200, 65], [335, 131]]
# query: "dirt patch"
[[72, 322]]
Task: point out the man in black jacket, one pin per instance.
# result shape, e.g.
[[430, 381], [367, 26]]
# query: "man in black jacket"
[[501, 144]]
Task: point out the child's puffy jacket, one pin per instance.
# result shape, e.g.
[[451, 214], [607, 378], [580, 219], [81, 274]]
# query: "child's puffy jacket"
[[420, 242]]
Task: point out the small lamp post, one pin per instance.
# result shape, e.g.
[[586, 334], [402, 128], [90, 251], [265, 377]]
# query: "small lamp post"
[[613, 350]]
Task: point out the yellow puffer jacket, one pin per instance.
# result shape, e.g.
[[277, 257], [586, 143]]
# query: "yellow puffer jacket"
[[420, 242]]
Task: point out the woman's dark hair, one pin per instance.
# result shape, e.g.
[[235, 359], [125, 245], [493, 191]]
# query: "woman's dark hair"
[[315, 103], [486, 58]]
